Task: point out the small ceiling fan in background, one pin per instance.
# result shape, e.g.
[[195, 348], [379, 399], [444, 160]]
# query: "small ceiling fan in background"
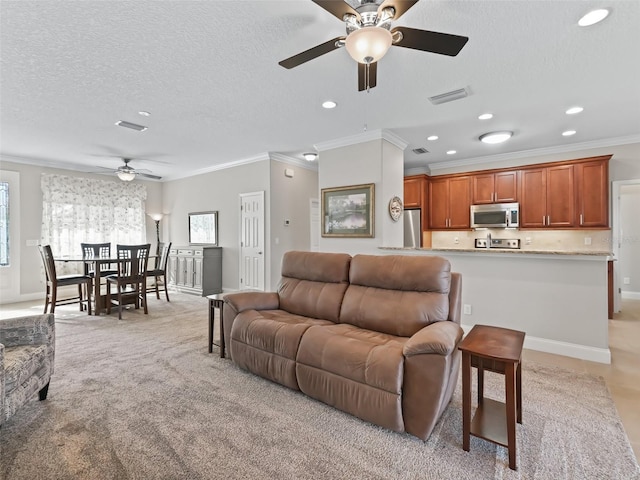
[[369, 36], [127, 173]]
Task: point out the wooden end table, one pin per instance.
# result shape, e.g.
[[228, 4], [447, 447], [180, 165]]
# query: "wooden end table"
[[216, 301], [497, 350]]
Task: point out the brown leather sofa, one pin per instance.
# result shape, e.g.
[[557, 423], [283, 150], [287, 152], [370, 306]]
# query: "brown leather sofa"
[[374, 336]]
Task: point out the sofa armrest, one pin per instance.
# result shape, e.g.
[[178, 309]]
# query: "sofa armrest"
[[439, 337], [252, 301], [30, 330]]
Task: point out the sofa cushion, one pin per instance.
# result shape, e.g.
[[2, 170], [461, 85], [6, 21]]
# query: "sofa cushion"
[[356, 370], [396, 294], [313, 284], [266, 343], [22, 362]]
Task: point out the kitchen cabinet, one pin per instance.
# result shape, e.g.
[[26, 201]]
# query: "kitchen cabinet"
[[592, 193], [500, 187], [547, 197], [196, 269], [449, 203], [415, 191]]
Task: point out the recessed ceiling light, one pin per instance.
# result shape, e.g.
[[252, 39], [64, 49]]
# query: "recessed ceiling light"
[[329, 104], [574, 110], [310, 156], [496, 137], [451, 152], [486, 116], [144, 113], [431, 138], [568, 133], [593, 17]]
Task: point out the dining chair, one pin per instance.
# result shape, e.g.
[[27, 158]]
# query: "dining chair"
[[161, 269], [130, 279], [53, 281], [96, 250]]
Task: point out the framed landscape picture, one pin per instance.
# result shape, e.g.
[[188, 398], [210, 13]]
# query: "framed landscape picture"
[[348, 211]]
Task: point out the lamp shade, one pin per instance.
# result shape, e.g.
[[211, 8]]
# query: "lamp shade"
[[368, 44], [125, 176]]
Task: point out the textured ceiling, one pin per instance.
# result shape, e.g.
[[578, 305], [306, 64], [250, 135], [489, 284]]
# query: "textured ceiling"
[[208, 72]]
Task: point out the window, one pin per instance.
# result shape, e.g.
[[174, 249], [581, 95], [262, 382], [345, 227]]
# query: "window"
[[76, 210], [4, 224]]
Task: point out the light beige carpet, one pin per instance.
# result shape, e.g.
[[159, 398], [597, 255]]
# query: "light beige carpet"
[[142, 398]]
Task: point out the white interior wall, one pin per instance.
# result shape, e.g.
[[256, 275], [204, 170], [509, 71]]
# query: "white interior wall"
[[290, 198], [629, 252], [375, 161]]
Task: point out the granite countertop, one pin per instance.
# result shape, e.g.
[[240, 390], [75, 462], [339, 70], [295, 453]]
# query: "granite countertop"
[[507, 250]]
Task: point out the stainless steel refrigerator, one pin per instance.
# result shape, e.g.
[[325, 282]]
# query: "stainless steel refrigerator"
[[412, 228]]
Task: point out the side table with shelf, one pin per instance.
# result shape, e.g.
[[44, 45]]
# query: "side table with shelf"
[[498, 350], [216, 301]]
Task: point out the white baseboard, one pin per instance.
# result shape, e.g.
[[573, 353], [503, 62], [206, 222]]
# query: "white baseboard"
[[574, 350], [631, 295]]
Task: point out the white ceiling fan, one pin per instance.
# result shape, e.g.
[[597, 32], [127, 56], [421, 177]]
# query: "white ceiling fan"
[[127, 173]]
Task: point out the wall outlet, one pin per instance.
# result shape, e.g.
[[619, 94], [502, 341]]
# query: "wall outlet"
[[466, 309], [527, 240], [626, 281], [456, 240], [587, 240]]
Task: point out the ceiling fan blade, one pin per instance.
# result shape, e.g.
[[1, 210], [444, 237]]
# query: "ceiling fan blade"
[[367, 80], [148, 175], [310, 54], [337, 8], [434, 42], [400, 6]]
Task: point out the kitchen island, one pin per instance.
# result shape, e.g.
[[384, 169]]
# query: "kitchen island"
[[559, 298]]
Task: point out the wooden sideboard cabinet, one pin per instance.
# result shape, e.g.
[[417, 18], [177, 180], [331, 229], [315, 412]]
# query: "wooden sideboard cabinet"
[[196, 269]]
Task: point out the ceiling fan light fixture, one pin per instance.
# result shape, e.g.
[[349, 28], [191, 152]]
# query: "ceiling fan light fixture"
[[368, 44], [496, 137], [125, 175]]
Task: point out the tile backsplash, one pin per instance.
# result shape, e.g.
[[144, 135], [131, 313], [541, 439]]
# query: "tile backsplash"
[[539, 240]]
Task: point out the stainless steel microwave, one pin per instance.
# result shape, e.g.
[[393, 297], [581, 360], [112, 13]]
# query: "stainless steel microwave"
[[495, 215]]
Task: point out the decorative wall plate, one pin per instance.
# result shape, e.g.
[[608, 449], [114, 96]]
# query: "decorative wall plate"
[[395, 208]]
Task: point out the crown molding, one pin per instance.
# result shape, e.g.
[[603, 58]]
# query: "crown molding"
[[608, 142], [362, 138], [222, 166], [294, 161]]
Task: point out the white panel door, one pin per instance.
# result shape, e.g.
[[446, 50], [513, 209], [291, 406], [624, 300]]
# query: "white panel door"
[[252, 241]]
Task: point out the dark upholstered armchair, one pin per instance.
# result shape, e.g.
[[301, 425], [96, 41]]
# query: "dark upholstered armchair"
[[27, 347]]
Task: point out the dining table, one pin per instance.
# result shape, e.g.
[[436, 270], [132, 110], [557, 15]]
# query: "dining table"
[[97, 263]]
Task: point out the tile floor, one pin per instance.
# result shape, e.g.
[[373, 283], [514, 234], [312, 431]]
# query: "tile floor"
[[622, 376]]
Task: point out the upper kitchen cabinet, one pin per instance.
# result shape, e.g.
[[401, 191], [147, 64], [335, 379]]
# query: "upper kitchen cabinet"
[[547, 198], [449, 202], [592, 182], [415, 191], [566, 195], [500, 187]]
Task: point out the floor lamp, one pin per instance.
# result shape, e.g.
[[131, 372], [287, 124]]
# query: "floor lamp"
[[156, 218]]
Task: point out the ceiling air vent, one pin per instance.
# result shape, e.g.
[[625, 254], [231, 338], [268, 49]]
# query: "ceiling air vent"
[[132, 126], [448, 96], [420, 151]]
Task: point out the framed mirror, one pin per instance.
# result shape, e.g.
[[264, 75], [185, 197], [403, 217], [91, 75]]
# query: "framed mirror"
[[203, 228]]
